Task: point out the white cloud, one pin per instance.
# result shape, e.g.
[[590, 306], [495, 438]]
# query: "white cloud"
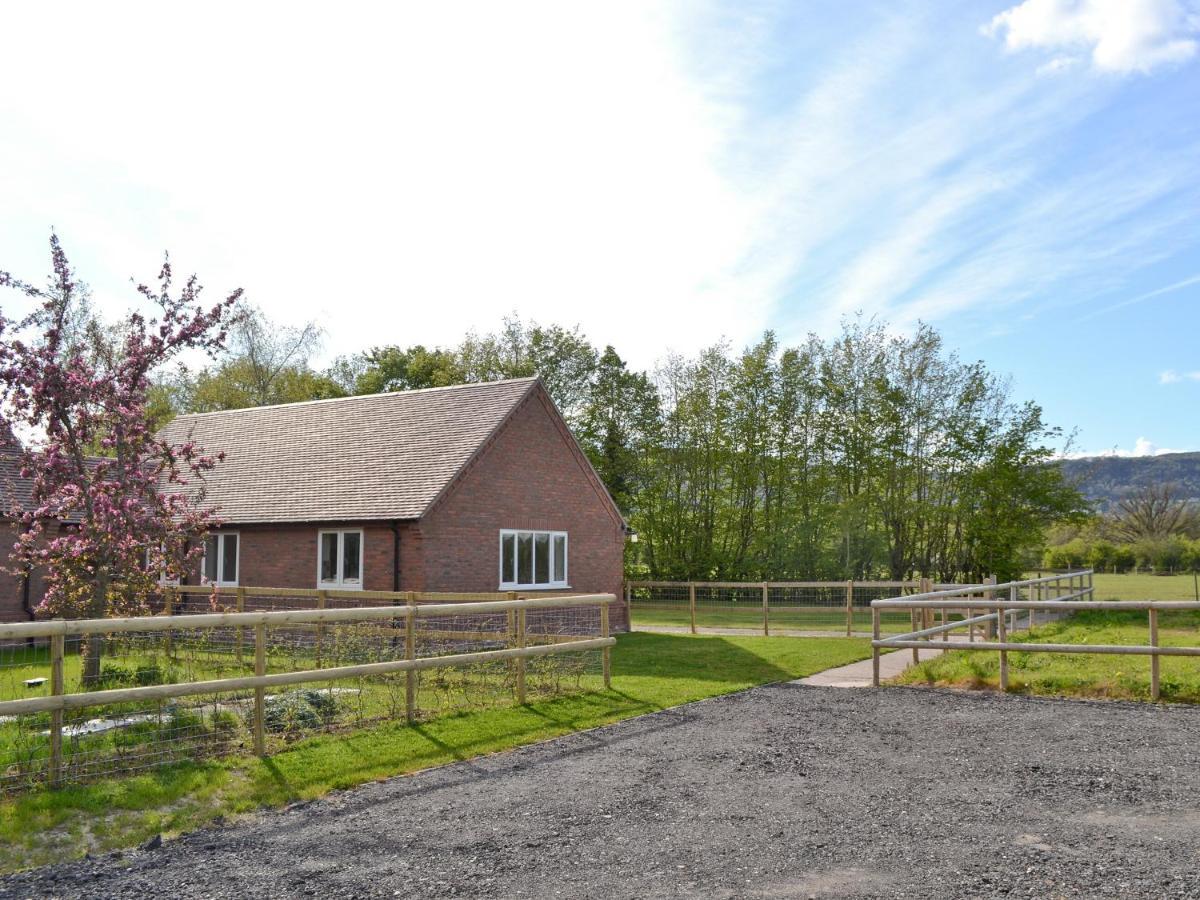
[[1141, 447], [1120, 36], [1170, 376]]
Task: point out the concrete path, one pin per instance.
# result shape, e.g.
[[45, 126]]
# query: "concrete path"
[[859, 674]]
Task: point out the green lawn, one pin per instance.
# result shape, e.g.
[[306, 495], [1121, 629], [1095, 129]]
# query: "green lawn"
[[650, 672], [718, 614], [1145, 587], [1081, 675]]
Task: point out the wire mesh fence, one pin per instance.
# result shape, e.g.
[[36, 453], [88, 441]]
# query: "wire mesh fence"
[[834, 607], [187, 686]]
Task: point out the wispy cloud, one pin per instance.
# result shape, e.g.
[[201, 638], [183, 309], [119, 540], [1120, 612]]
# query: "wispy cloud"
[[1170, 376], [1119, 36], [1143, 297]]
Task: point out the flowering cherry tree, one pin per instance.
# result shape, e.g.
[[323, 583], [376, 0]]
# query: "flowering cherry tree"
[[114, 508]]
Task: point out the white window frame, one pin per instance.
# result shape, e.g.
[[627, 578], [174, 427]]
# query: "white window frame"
[[339, 583], [237, 566], [163, 580], [551, 585]]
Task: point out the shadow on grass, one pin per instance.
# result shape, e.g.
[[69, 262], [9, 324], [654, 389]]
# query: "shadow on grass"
[[699, 657]]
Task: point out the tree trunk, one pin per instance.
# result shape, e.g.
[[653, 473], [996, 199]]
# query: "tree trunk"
[[94, 646]]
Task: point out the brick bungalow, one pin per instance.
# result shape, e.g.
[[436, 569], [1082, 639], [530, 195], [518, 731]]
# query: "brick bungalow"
[[478, 487]]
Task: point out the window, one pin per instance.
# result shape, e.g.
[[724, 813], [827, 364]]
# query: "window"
[[221, 559], [340, 559], [533, 559], [162, 575]]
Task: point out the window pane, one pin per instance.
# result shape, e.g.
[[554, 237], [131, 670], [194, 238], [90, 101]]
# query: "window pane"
[[351, 542], [560, 557], [329, 556], [541, 569], [210, 558], [508, 546], [229, 558], [525, 558]]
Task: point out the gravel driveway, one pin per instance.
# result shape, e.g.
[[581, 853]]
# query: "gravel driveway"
[[782, 791]]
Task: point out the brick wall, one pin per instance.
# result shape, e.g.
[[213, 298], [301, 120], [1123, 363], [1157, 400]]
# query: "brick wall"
[[532, 476], [286, 555], [11, 586]]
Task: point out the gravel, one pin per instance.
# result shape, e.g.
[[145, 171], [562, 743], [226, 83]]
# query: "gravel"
[[781, 791]]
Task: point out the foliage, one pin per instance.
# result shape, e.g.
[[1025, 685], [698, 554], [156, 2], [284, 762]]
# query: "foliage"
[[266, 363], [96, 520], [862, 456], [1154, 512]]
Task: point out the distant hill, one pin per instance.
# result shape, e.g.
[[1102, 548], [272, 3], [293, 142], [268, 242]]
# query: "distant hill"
[[1106, 478]]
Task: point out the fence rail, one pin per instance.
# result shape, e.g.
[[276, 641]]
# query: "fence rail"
[[1001, 602], [825, 606], [312, 646]]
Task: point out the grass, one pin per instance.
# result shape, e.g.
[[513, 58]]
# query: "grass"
[[650, 672], [1080, 675], [723, 614], [1145, 587]]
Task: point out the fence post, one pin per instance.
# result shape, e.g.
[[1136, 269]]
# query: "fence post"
[[521, 659], [169, 610], [692, 605], [260, 698], [766, 592], [913, 614], [1154, 681], [629, 604], [57, 644], [849, 608], [1002, 632], [322, 602], [1090, 590], [606, 653], [241, 607], [874, 649], [410, 653], [989, 627]]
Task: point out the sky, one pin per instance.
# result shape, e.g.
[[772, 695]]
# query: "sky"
[[1025, 176]]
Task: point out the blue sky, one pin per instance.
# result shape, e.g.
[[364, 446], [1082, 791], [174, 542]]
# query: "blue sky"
[[1025, 176]]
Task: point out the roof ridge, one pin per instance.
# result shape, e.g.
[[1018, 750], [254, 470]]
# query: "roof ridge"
[[428, 390]]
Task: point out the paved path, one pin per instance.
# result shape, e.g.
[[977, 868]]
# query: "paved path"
[[859, 674]]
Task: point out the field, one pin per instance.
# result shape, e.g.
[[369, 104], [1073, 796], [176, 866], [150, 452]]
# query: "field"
[[650, 672], [749, 616], [1081, 675], [1145, 587]]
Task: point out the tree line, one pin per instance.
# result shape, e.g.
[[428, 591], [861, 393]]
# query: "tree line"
[[869, 454], [1151, 527]]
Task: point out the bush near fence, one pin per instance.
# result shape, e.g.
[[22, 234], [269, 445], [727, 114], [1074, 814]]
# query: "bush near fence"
[[344, 668]]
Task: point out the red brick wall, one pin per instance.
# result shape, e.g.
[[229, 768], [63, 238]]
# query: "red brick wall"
[[286, 555], [531, 477], [11, 586]]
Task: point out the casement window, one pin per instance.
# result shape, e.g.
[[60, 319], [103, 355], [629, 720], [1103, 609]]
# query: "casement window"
[[221, 559], [340, 559], [533, 559], [162, 575]]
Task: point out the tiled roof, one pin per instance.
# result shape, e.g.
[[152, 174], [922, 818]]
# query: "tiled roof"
[[382, 456], [15, 489]]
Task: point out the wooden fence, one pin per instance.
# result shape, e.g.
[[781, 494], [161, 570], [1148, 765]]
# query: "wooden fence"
[[826, 606], [1000, 604], [397, 625]]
